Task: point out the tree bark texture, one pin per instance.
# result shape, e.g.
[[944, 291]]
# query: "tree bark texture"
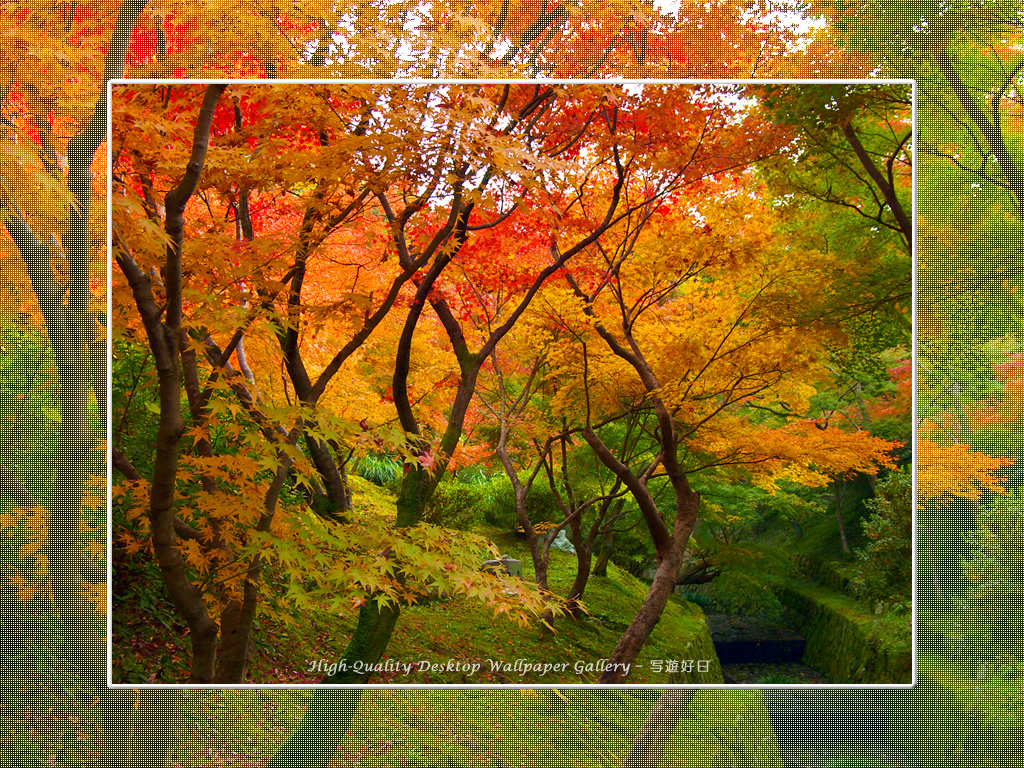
[[648, 747], [314, 744]]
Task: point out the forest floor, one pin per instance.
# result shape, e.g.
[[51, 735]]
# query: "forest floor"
[[523, 728], [790, 673], [294, 647]]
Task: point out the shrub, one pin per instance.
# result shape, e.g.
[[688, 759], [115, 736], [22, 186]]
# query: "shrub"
[[498, 501], [735, 592], [455, 505], [885, 561], [380, 470], [541, 504]]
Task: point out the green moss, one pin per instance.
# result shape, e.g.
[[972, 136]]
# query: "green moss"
[[844, 639], [949, 721], [726, 727], [368, 498]]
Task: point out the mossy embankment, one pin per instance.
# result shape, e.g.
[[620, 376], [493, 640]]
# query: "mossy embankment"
[[801, 579], [482, 648], [845, 639], [954, 718]]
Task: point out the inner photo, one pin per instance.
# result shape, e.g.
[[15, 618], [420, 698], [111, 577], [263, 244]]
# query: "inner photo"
[[532, 384]]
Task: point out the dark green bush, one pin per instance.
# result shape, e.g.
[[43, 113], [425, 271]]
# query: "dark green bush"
[[736, 592], [498, 501], [885, 561], [455, 505], [541, 505]]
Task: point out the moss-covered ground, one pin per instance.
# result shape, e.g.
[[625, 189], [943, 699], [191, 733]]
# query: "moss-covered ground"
[[517, 728], [452, 632]]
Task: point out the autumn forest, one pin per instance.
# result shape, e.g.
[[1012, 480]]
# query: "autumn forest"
[[641, 342], [532, 387]]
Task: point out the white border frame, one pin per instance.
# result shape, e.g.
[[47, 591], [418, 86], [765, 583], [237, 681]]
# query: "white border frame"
[[514, 81]]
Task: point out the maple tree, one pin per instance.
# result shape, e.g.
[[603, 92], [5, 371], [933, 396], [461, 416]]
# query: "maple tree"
[[389, 222], [694, 323], [210, 40], [509, 402], [495, 38], [530, 444], [279, 456], [408, 191], [852, 158], [631, 308]]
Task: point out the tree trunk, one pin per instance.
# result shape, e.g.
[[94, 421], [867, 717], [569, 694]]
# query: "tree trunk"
[[839, 517], [648, 747], [538, 553], [237, 644], [636, 634], [669, 544], [604, 554], [540, 564], [348, 487], [332, 474], [368, 643], [314, 744], [78, 644], [579, 584]]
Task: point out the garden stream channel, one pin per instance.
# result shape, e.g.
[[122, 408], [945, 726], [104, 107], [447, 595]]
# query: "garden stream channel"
[[754, 650]]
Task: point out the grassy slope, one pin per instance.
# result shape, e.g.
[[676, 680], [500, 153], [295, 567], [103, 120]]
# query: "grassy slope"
[[462, 631], [438, 631], [522, 728], [468, 727]]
